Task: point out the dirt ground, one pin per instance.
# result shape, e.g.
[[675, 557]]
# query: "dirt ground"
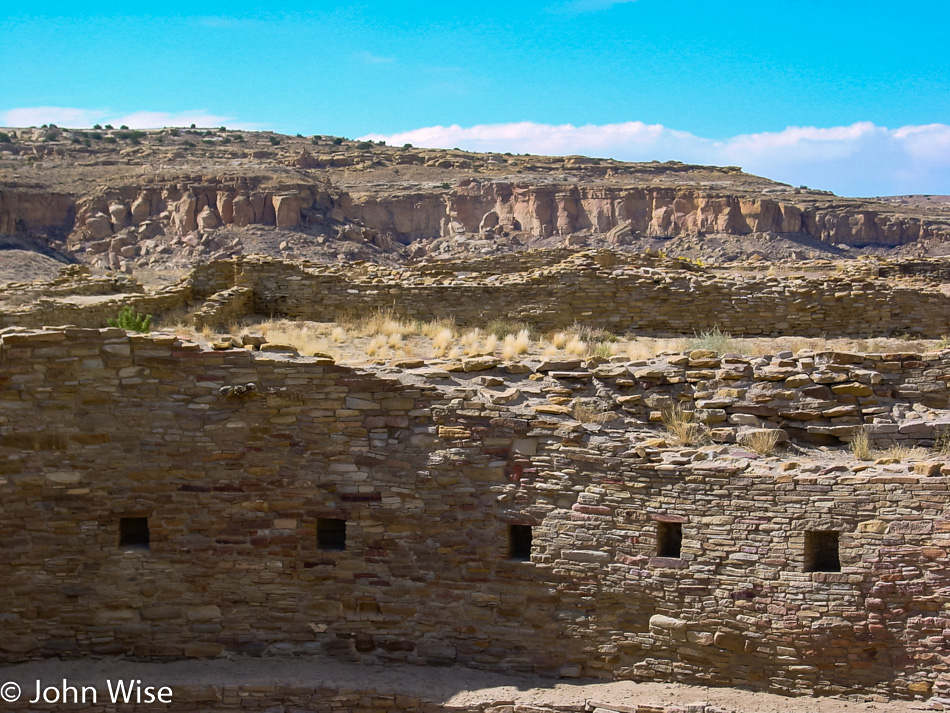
[[450, 686], [26, 266]]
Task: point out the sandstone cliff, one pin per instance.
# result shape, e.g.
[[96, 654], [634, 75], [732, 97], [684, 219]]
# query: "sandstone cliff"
[[90, 196]]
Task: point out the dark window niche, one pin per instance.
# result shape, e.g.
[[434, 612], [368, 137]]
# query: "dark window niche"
[[133, 533], [821, 551], [669, 539], [331, 533], [519, 542]]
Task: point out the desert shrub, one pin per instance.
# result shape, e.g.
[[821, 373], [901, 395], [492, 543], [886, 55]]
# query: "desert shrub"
[[587, 333], [713, 340], [604, 350], [501, 328], [131, 321], [274, 141], [337, 141], [5, 137], [364, 145]]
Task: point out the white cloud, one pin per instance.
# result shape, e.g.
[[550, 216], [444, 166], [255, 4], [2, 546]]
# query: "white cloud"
[[83, 118], [581, 6], [61, 116], [371, 58], [860, 159]]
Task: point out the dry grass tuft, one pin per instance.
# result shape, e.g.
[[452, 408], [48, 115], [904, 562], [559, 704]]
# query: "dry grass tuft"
[[590, 411], [681, 424], [469, 341], [516, 344], [900, 452], [860, 444], [442, 341], [575, 346], [436, 327], [304, 336], [942, 442], [761, 441]]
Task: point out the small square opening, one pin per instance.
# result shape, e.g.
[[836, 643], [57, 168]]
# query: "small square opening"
[[669, 539], [331, 533], [821, 551], [519, 542], [133, 533]]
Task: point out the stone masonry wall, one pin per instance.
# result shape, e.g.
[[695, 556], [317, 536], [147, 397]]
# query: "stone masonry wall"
[[97, 425], [620, 298], [598, 289]]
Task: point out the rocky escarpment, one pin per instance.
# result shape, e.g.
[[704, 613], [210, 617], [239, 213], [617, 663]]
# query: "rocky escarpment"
[[492, 207], [486, 207], [124, 223], [35, 209], [112, 200]]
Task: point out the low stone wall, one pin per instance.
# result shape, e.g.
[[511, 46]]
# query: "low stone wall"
[[620, 293], [244, 492], [96, 311], [224, 307], [599, 290]]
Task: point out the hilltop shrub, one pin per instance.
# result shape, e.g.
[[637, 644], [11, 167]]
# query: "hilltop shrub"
[[131, 321]]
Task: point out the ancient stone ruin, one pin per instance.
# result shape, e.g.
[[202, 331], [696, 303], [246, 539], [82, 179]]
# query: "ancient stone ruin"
[[271, 527], [168, 500]]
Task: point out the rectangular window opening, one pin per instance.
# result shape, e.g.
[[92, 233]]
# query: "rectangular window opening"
[[669, 539], [519, 542], [133, 533], [331, 533], [821, 551]]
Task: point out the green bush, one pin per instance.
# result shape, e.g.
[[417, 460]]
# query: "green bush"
[[132, 321], [363, 145], [4, 137]]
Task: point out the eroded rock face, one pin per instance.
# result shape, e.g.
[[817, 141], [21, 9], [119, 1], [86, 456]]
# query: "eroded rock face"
[[326, 191], [35, 210]]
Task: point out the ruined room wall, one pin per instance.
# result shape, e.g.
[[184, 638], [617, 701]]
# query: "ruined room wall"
[[97, 425], [625, 298], [628, 296]]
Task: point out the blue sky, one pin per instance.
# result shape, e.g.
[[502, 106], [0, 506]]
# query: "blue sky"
[[832, 94]]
